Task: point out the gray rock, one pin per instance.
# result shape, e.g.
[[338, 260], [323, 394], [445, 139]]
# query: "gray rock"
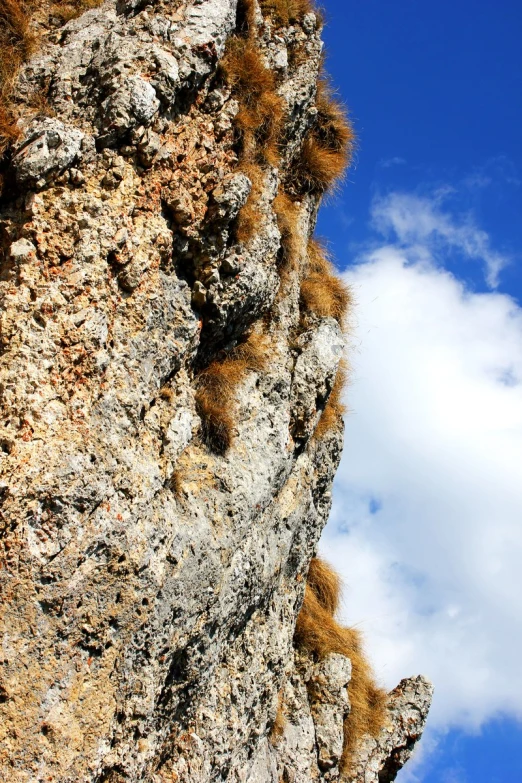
[[151, 586], [231, 195], [47, 147], [134, 103], [379, 760], [314, 374], [329, 707]]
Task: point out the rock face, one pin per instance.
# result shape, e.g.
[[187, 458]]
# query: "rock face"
[[150, 586]]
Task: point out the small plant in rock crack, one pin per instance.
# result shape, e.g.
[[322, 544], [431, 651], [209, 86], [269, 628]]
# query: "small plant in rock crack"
[[18, 40], [323, 293], [287, 214], [318, 632], [249, 217], [327, 148], [216, 390], [260, 115], [335, 408], [285, 12], [258, 122], [278, 726], [16, 44]]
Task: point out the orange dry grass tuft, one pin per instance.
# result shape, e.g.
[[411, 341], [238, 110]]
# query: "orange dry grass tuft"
[[252, 354], [176, 482], [318, 168], [246, 17], [259, 119], [285, 12], [249, 216], [320, 634], [287, 214], [17, 41], [16, 44], [261, 110], [8, 130], [325, 583], [278, 726], [332, 125], [65, 10], [327, 149], [322, 292], [216, 388]]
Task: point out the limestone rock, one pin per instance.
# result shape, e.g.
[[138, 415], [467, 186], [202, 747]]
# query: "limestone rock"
[[329, 707], [150, 586], [47, 147], [315, 371], [379, 760]]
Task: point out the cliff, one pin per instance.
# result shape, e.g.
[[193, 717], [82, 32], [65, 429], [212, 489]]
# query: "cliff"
[[171, 367]]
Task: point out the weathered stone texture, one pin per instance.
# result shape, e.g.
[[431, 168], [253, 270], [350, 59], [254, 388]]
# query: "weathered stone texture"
[[150, 587]]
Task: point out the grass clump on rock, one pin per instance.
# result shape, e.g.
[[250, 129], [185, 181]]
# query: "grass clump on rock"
[[285, 12], [322, 291], [19, 22], [217, 386], [327, 148], [318, 632], [16, 45], [259, 120]]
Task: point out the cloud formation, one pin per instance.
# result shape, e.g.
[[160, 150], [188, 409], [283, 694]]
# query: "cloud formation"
[[426, 525], [387, 163], [422, 225]]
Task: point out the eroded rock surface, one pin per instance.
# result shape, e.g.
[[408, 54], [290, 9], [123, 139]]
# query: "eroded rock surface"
[[309, 745], [150, 587]]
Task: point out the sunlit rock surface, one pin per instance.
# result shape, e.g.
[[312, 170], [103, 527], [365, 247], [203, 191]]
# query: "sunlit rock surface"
[[150, 587]]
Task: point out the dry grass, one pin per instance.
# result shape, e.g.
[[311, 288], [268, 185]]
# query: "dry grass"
[[249, 216], [318, 168], [16, 44], [167, 393], [287, 214], [65, 11], [322, 292], [246, 16], [325, 583], [328, 147], [15, 36], [216, 387], [216, 390], [278, 726], [332, 124], [260, 115], [259, 120], [319, 633], [176, 483], [285, 12]]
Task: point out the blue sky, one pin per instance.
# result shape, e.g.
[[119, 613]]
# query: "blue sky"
[[425, 527], [435, 87]]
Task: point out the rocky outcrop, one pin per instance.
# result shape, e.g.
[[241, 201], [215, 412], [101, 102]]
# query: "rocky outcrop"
[[309, 745], [151, 581]]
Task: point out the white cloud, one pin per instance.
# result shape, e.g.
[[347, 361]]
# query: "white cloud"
[[421, 223], [426, 525], [386, 163]]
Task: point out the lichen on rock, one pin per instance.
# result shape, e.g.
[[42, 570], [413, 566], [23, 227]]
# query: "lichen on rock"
[[155, 542]]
